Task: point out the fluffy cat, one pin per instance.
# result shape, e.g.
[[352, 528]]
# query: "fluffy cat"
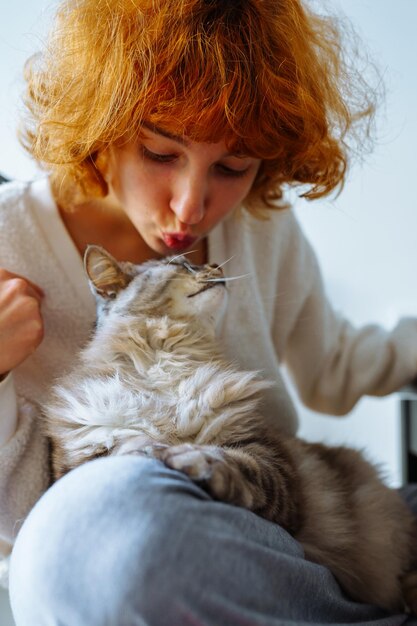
[[152, 381]]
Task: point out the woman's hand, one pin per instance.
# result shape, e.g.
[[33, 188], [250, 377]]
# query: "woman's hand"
[[21, 325]]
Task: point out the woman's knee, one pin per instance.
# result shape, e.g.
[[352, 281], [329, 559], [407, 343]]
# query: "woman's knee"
[[125, 540], [96, 538]]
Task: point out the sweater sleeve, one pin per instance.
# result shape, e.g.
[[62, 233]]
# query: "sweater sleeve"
[[8, 409], [24, 471], [334, 364]]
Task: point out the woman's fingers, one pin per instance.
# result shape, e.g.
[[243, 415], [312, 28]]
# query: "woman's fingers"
[[21, 324]]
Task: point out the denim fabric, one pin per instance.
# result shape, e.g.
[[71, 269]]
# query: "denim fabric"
[[124, 541]]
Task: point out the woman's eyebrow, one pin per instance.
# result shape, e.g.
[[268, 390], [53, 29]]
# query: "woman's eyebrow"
[[165, 133]]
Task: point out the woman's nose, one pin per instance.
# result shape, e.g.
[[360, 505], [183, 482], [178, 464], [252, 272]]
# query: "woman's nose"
[[189, 200]]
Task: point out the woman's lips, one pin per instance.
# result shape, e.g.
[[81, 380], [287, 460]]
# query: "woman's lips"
[[178, 241]]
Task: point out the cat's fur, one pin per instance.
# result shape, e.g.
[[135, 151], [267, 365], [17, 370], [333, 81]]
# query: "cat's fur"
[[152, 381]]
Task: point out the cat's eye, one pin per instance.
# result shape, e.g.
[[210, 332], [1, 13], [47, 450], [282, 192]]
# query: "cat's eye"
[[184, 265], [189, 267]]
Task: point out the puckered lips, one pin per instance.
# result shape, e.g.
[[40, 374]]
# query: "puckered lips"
[[178, 241]]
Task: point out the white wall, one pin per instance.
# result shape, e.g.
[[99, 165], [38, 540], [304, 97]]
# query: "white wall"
[[365, 240], [23, 24]]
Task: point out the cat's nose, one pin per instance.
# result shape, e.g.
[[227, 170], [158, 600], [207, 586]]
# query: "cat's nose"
[[213, 267], [215, 270]]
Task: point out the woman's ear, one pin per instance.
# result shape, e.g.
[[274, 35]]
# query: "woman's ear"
[[106, 275], [101, 165]]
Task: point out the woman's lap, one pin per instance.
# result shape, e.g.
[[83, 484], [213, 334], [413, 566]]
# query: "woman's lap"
[[125, 541]]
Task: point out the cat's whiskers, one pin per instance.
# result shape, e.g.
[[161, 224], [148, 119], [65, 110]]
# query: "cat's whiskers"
[[227, 261], [219, 279], [180, 255], [225, 278]]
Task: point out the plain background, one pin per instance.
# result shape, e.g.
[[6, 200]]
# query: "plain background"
[[365, 240]]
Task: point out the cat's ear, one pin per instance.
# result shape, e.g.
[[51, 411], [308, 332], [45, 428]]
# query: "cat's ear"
[[107, 276]]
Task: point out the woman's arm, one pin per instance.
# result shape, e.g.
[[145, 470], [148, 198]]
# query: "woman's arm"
[[24, 469], [333, 363]]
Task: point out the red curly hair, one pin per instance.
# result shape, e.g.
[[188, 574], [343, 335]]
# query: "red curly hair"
[[267, 76]]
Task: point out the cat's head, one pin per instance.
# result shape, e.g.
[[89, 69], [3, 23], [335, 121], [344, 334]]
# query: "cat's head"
[[168, 287]]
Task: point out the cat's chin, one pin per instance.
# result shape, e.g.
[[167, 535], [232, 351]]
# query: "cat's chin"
[[211, 303], [211, 300]]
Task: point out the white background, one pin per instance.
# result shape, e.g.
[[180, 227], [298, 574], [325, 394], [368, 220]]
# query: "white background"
[[365, 239]]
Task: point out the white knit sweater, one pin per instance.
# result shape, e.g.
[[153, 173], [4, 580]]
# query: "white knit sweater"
[[279, 314]]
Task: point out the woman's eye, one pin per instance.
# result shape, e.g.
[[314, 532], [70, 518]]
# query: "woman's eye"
[[232, 173], [157, 157]]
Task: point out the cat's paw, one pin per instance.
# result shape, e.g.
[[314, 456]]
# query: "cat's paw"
[[208, 466], [195, 461]]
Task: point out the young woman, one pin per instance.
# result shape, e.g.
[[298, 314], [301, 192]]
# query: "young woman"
[[165, 127]]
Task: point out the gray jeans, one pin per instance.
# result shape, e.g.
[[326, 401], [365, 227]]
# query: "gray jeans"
[[123, 541]]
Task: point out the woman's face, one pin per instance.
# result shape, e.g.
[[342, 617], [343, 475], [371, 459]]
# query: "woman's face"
[[174, 191]]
